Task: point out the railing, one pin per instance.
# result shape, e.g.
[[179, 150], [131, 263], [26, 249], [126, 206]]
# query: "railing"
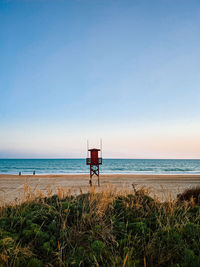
[[89, 161]]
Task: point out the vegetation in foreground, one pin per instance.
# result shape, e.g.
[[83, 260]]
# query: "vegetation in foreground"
[[101, 229]]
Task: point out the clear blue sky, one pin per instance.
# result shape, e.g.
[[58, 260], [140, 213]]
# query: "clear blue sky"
[[126, 71]]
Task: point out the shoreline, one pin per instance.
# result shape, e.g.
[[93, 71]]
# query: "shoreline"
[[108, 175]]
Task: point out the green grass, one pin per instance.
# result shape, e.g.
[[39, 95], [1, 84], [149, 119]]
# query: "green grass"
[[101, 229]]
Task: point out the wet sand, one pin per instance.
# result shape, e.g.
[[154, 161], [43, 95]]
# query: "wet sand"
[[163, 186]]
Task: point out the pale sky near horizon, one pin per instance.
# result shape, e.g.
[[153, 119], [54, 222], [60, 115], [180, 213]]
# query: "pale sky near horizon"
[[126, 71]]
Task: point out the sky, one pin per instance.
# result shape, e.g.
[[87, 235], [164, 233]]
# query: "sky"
[[126, 71]]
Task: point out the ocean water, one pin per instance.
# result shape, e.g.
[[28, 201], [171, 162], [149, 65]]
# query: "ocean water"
[[137, 166]]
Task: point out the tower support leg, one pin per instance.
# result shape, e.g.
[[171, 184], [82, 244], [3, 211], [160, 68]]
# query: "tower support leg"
[[94, 171], [98, 176], [90, 181]]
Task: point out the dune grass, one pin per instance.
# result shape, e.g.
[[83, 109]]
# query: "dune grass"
[[107, 228]]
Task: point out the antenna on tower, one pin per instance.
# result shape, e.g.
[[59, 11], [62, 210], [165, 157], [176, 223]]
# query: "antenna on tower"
[[87, 149], [101, 146]]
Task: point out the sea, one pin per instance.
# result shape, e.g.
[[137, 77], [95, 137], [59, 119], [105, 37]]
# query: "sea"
[[120, 166]]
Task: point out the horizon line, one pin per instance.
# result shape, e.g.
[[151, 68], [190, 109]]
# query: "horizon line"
[[108, 158]]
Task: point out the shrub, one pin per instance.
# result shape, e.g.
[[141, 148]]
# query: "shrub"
[[105, 229], [188, 194]]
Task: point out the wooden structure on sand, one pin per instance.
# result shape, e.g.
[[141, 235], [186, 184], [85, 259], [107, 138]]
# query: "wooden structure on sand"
[[94, 161]]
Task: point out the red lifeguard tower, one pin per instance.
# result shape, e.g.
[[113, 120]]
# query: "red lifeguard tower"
[[94, 161]]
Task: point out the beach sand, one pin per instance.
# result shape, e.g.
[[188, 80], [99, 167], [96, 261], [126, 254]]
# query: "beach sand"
[[162, 186]]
